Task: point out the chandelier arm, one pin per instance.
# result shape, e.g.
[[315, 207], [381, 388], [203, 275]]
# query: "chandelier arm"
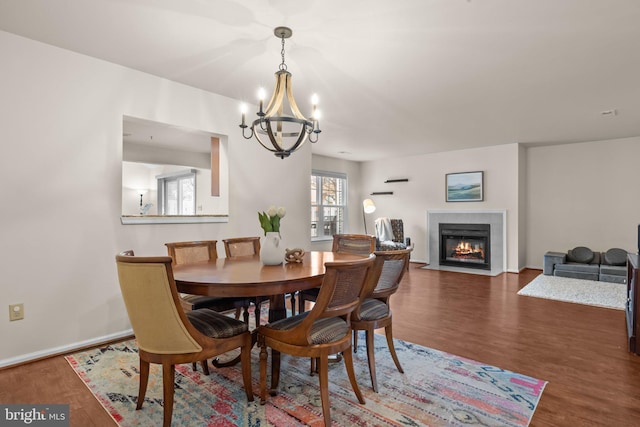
[[292, 101], [250, 135], [278, 94], [311, 140]]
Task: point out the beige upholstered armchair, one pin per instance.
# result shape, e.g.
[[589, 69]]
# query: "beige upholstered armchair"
[[167, 335]]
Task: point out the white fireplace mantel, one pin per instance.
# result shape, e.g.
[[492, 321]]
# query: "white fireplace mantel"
[[496, 218]]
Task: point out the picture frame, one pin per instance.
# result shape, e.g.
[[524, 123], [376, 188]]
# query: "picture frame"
[[465, 186]]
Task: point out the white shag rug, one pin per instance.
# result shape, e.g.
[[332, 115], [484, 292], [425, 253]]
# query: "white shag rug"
[[590, 292]]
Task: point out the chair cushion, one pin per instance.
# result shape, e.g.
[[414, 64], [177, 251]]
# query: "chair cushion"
[[217, 303], [580, 254], [373, 309], [214, 324], [616, 256], [323, 331]]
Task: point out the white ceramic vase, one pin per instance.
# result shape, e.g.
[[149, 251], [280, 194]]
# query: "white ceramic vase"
[[270, 251]]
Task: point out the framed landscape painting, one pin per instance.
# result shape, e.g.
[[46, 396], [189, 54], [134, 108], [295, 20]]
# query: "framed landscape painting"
[[465, 187]]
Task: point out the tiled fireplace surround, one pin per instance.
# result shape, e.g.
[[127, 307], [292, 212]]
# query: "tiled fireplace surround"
[[497, 219]]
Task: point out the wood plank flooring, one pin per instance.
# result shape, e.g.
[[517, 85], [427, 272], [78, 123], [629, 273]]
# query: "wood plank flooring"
[[581, 350]]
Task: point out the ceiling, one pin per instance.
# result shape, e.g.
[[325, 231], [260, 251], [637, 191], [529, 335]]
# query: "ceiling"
[[395, 78]]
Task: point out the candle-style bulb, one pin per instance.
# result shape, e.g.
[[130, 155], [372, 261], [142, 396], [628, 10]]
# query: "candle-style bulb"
[[261, 95], [243, 111]]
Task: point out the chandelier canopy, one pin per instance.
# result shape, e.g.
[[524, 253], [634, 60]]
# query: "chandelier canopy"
[[282, 122]]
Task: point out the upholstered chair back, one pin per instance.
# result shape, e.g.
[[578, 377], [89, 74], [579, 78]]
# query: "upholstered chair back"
[[151, 300]]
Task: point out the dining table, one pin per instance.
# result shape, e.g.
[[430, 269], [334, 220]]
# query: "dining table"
[[247, 276]]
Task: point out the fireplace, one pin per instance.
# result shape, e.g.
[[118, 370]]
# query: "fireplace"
[[465, 245]]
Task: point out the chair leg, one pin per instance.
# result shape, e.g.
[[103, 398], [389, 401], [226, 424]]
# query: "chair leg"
[[348, 362], [388, 332], [263, 373], [205, 366], [314, 366], [301, 301], [238, 312], [258, 306], [168, 375], [371, 358], [275, 371], [144, 380], [245, 314], [293, 303], [245, 357], [355, 341], [323, 373]]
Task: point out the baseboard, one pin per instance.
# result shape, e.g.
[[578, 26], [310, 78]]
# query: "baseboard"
[[32, 357]]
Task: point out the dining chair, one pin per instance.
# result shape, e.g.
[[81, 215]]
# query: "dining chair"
[[243, 246], [204, 251], [166, 334], [360, 244], [322, 331], [375, 313]]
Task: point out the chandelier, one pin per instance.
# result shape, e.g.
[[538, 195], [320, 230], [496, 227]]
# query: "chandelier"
[[282, 122]]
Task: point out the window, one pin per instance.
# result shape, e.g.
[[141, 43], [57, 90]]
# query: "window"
[[328, 204], [177, 193]]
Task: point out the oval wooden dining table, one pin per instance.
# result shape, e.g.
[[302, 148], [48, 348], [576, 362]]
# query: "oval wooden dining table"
[[248, 277]]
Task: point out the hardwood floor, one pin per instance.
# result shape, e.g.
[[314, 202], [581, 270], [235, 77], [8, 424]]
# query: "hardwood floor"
[[580, 350]]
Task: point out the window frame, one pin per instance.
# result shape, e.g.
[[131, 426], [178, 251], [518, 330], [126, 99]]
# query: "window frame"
[[318, 175], [176, 177]]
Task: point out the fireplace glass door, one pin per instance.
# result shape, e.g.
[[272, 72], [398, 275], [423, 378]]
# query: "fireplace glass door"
[[465, 245]]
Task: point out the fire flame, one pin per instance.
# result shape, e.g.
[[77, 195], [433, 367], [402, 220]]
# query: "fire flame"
[[465, 249]]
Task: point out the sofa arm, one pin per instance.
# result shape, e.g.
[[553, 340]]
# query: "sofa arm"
[[550, 260]]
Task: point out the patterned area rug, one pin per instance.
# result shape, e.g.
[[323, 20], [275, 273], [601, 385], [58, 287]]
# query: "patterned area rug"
[[589, 292], [438, 389]]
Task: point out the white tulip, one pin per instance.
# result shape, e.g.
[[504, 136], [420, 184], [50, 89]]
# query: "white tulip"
[[282, 212], [272, 211]]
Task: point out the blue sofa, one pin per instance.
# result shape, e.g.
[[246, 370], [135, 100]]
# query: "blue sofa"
[[583, 263]]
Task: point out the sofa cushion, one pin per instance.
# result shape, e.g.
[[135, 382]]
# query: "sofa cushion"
[[613, 270], [580, 254], [574, 267], [577, 274], [616, 256]]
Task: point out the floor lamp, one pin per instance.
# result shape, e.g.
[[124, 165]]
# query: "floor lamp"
[[367, 207]]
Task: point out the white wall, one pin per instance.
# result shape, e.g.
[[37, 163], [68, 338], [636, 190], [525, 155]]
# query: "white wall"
[[61, 134], [426, 190], [582, 194]]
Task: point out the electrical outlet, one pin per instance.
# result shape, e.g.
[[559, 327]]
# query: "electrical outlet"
[[16, 312]]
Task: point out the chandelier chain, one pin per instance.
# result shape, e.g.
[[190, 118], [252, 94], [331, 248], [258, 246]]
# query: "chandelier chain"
[[283, 66]]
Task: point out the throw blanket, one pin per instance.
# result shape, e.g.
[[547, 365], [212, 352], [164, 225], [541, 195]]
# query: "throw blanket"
[[383, 229]]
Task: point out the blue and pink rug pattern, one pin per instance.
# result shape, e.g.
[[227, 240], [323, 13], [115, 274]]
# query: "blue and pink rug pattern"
[[437, 389]]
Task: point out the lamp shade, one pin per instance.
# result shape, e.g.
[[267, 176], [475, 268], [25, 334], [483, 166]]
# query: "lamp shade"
[[368, 206]]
